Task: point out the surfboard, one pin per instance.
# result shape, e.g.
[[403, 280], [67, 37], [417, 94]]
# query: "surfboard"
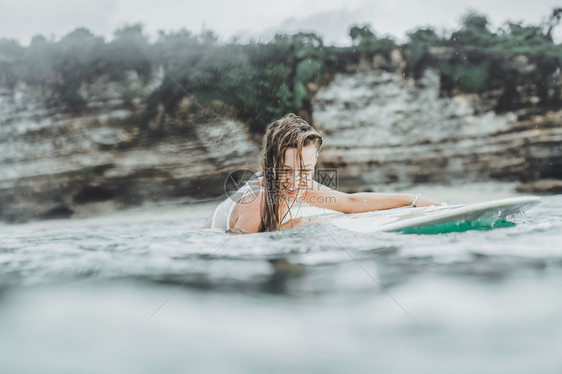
[[439, 219]]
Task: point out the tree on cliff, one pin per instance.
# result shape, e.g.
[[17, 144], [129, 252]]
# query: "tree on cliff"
[[552, 22], [129, 50]]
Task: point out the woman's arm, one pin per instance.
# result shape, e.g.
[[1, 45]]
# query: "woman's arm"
[[325, 197], [367, 201]]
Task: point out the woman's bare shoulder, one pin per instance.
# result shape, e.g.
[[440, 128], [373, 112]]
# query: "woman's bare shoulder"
[[246, 215]]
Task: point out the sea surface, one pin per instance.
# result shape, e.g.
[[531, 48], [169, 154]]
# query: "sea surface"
[[149, 291]]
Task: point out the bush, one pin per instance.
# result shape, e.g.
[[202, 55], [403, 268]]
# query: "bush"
[[481, 58], [468, 79]]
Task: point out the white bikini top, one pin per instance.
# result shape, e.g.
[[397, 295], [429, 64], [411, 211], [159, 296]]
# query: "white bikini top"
[[223, 212]]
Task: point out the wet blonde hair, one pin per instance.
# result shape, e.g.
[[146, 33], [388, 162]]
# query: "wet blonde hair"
[[290, 131]]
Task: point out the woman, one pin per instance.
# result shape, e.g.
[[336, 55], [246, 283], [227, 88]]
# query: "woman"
[[289, 156]]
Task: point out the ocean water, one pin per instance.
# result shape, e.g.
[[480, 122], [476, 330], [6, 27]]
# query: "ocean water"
[[149, 291]]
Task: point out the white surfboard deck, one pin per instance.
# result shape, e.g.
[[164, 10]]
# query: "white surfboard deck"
[[413, 218]]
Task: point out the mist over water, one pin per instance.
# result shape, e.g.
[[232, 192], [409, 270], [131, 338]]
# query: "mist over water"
[[151, 291]]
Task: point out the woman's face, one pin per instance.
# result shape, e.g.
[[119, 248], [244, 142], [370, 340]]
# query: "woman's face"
[[293, 180]]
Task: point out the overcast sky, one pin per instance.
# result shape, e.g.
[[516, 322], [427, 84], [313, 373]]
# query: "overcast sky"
[[22, 19]]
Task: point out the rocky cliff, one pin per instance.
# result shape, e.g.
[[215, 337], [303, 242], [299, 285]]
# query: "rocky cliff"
[[380, 128], [57, 164]]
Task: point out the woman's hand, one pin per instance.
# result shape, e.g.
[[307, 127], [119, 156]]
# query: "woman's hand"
[[305, 221], [297, 222], [422, 202]]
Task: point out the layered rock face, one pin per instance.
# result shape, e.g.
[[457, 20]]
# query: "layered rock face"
[[381, 128], [56, 164]]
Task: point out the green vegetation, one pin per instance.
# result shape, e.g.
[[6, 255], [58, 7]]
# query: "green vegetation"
[[474, 58], [467, 78], [258, 82]]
